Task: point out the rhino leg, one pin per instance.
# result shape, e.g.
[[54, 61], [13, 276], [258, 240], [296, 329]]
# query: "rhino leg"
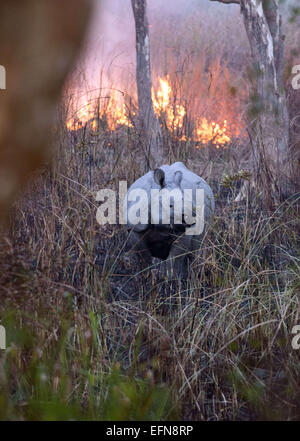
[[139, 247], [177, 263], [182, 255]]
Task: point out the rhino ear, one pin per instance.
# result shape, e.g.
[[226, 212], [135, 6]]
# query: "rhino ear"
[[178, 178], [159, 176]]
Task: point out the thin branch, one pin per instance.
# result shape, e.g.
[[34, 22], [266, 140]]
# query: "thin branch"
[[227, 2]]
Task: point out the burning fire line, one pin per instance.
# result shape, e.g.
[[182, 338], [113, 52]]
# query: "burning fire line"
[[116, 115]]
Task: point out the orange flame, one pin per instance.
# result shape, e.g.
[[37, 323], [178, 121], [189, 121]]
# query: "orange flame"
[[83, 115], [165, 105], [206, 132], [115, 112], [162, 104]]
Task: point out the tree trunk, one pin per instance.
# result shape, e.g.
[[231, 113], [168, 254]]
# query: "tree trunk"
[[149, 125], [270, 124], [269, 128]]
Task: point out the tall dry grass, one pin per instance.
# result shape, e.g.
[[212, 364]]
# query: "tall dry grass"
[[91, 337]]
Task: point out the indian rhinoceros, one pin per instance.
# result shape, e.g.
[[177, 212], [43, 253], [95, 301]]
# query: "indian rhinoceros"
[[162, 228]]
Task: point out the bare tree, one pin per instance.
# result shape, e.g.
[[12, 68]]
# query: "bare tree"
[[149, 125], [269, 125]]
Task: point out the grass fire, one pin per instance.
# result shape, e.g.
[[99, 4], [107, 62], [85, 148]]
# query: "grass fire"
[[169, 108]]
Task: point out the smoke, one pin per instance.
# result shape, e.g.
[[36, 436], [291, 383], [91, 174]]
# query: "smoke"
[[178, 25], [109, 54]]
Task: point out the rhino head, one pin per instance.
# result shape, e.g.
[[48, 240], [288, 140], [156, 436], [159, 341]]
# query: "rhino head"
[[166, 206], [160, 204]]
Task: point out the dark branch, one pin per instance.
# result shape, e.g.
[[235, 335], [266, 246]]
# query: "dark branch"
[[227, 2]]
